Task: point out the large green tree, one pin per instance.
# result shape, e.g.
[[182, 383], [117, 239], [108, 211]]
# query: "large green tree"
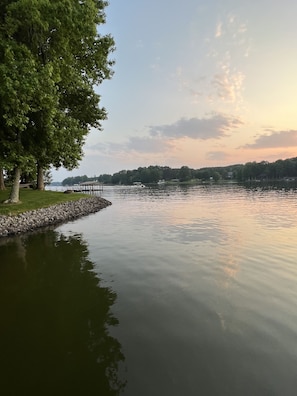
[[17, 84], [2, 184], [70, 58]]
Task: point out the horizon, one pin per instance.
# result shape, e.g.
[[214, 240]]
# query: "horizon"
[[211, 84]]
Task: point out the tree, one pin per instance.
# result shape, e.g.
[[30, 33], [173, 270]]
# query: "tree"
[[70, 181], [70, 57], [105, 178], [185, 173], [18, 80], [216, 176], [154, 174], [78, 105], [2, 184]]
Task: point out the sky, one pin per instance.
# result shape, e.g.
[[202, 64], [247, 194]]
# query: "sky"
[[196, 83]]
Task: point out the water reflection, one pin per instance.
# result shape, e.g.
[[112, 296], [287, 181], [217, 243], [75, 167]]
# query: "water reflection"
[[54, 320]]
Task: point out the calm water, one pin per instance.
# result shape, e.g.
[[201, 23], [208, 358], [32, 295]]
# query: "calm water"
[[168, 292]]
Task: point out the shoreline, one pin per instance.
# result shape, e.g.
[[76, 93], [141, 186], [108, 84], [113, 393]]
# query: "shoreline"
[[52, 215]]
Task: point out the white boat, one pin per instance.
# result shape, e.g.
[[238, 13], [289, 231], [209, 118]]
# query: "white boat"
[[138, 184]]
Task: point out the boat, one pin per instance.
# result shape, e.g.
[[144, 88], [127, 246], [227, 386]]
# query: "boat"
[[161, 182], [138, 184]]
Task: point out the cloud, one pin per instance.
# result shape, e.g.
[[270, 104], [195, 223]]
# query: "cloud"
[[230, 26], [106, 148], [156, 64], [275, 140], [148, 144], [217, 156], [164, 139], [228, 85], [219, 30], [215, 127], [224, 82], [196, 86], [140, 144], [227, 80]]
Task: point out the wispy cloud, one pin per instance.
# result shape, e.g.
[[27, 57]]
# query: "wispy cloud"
[[228, 85], [214, 127], [231, 26], [223, 80], [219, 32], [140, 144], [104, 149], [148, 144], [227, 80], [217, 156], [274, 140], [156, 64], [197, 86]]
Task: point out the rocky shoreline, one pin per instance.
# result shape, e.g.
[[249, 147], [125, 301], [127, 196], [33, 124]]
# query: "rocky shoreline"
[[53, 215]]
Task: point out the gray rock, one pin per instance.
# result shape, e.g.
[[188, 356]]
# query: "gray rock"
[[56, 214]]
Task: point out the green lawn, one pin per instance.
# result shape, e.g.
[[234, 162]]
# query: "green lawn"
[[34, 199]]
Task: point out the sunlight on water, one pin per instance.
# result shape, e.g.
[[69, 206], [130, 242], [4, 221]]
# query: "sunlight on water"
[[205, 279]]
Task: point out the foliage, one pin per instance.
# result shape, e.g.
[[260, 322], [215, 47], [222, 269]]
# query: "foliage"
[[71, 181], [48, 178], [185, 173], [51, 58], [105, 178], [17, 81], [280, 169]]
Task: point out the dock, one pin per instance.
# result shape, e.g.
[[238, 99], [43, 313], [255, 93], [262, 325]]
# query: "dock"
[[90, 186]]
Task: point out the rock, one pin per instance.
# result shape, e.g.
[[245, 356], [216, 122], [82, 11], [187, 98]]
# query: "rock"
[[56, 214]]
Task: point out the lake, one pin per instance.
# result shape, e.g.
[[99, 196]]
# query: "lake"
[[170, 291]]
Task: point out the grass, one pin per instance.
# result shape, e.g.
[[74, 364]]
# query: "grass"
[[34, 199]]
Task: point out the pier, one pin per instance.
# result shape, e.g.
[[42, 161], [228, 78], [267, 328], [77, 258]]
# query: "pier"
[[90, 186]]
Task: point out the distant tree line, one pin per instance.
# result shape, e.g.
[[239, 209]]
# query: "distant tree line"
[[251, 171], [71, 181], [280, 169]]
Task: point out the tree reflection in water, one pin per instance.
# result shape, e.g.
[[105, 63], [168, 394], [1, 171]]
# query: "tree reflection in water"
[[54, 337]]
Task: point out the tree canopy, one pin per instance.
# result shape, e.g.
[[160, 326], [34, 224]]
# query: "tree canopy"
[[52, 57]]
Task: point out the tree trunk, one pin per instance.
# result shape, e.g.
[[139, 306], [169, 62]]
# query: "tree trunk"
[[15, 190], [2, 185], [40, 178]]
